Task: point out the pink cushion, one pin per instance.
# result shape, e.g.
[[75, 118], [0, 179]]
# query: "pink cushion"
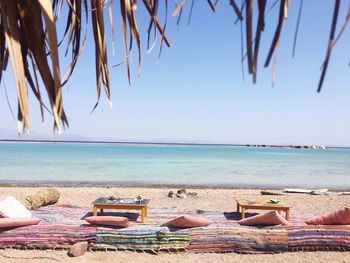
[[187, 221], [16, 222], [339, 217], [108, 220], [267, 218]]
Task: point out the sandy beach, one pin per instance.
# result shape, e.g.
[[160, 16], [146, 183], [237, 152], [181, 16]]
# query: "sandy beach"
[[206, 199]]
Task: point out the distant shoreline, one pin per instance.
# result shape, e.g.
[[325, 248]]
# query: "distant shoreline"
[[162, 144], [109, 184]]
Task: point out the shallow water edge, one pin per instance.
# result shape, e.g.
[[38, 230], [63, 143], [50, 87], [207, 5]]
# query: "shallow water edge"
[[110, 184]]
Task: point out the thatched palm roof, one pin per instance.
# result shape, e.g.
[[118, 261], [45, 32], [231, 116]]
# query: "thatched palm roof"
[[35, 62]]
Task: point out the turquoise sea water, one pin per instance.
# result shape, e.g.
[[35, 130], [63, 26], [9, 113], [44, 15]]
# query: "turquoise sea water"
[[188, 165]]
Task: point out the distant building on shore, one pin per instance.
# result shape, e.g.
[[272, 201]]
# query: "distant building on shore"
[[313, 147]]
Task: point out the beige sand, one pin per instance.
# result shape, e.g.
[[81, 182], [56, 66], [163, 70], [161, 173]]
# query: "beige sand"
[[207, 199]]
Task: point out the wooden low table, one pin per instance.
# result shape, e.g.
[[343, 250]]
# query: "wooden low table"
[[261, 205], [121, 203]]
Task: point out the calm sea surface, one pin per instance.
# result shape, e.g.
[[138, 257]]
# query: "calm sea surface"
[[189, 165]]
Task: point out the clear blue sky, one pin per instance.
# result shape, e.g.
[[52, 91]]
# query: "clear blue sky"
[[195, 93]]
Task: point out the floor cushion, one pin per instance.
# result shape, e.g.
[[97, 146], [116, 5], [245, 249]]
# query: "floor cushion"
[[268, 218], [108, 220], [339, 217], [16, 222], [187, 221], [11, 207]]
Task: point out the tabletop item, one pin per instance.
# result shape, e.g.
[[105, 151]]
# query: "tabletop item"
[[272, 204], [121, 203]]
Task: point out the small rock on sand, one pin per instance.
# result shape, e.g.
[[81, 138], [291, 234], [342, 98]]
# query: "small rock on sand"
[[181, 191], [171, 194], [78, 249]]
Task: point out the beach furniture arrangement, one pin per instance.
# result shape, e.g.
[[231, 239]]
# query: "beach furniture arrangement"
[[172, 230], [272, 204], [121, 203]]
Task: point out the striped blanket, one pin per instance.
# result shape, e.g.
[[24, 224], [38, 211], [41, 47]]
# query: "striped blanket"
[[304, 238], [238, 239], [141, 238], [63, 225], [46, 236]]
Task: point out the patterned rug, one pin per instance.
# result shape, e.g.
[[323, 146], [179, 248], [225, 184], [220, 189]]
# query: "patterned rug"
[[46, 236], [238, 239], [311, 238], [63, 225], [74, 215]]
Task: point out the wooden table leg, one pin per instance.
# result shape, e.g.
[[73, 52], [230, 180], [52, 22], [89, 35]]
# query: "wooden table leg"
[[94, 211], [243, 212], [142, 215], [146, 211], [237, 208], [287, 214], [101, 211]]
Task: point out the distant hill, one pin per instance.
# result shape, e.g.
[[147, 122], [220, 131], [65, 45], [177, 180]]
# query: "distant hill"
[[12, 135]]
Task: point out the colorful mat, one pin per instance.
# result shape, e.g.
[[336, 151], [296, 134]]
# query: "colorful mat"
[[63, 225], [238, 239], [49, 236], [309, 238], [141, 238]]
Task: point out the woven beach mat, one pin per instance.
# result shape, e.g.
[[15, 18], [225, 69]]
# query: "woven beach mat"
[[319, 238], [46, 236], [63, 225], [74, 215], [238, 239], [141, 238]]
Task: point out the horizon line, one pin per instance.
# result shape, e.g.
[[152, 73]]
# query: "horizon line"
[[161, 143]]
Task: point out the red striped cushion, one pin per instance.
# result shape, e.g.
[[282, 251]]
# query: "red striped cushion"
[[187, 221], [339, 217], [108, 220], [17, 222], [268, 218]]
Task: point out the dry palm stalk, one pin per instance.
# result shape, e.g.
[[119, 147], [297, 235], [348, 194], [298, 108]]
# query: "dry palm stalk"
[[21, 22], [236, 9], [74, 26], [212, 6], [152, 25], [330, 43], [164, 28], [346, 22], [101, 63], [297, 28], [281, 18], [47, 12], [249, 29], [178, 8], [10, 15], [155, 19], [259, 28], [191, 11]]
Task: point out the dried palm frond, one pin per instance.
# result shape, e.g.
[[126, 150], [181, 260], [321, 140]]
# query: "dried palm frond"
[[21, 22], [330, 43], [36, 62], [101, 63]]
